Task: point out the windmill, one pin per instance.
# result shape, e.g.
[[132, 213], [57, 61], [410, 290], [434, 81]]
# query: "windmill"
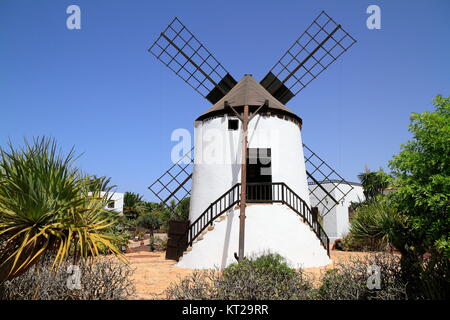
[[254, 168]]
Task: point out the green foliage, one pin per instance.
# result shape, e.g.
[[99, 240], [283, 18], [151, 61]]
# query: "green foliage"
[[375, 225], [264, 277], [149, 220], [182, 210], [374, 183], [99, 183], [119, 231], [131, 199], [422, 179], [132, 205], [175, 212], [47, 205], [427, 277], [267, 263]]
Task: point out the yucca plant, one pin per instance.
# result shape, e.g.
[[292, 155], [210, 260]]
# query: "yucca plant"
[[377, 224], [48, 205]]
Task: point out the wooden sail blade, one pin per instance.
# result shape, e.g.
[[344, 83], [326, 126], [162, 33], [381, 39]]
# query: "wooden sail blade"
[[188, 58], [327, 188], [322, 43], [173, 186]]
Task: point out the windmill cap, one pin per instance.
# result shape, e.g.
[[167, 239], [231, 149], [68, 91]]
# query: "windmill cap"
[[248, 92]]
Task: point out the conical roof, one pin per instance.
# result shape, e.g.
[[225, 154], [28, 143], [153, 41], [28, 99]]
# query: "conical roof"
[[248, 92]]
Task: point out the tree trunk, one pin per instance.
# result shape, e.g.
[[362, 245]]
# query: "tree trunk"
[[152, 241]]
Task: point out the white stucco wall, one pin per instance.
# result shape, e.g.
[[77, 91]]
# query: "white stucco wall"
[[273, 228], [336, 222], [117, 197], [218, 156]]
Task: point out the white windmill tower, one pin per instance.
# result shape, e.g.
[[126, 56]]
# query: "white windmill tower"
[[249, 187]]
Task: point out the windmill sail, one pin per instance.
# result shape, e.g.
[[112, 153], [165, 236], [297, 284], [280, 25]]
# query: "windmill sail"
[[327, 187], [174, 184], [322, 43], [181, 52]]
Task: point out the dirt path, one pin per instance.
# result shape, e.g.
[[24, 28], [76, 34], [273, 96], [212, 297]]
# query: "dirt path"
[[153, 274]]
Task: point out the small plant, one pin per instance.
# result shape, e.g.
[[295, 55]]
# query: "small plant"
[[160, 244]]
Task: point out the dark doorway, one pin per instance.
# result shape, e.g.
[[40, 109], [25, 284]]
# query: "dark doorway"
[[259, 175]]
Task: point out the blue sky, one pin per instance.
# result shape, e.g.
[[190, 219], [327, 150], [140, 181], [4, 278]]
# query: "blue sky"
[[98, 88]]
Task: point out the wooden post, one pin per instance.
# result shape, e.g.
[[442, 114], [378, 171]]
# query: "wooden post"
[[243, 184], [315, 214]]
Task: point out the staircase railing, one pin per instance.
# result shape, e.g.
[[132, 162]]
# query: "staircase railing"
[[215, 209], [265, 192]]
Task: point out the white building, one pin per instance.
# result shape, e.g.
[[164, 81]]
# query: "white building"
[[275, 156], [336, 221], [115, 202]]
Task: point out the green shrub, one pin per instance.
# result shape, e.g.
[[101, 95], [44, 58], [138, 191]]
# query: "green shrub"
[[375, 225], [264, 277], [427, 277], [422, 179]]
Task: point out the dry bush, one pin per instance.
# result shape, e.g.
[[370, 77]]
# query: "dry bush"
[[264, 277], [103, 278], [160, 244], [199, 285], [348, 281]]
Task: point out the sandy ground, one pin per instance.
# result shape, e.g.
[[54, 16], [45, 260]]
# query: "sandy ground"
[[153, 274]]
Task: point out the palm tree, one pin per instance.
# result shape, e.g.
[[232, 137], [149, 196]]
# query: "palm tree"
[[132, 205], [374, 182], [99, 183], [48, 206]]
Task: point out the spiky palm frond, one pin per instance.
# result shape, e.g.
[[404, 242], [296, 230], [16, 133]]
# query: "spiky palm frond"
[[378, 223], [46, 204]]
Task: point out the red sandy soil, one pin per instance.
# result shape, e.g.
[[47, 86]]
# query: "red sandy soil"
[[153, 273]]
